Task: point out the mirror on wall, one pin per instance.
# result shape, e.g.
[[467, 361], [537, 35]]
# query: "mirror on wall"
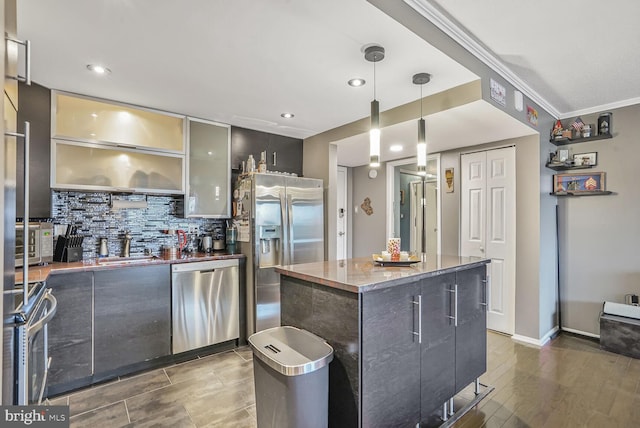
[[416, 215]]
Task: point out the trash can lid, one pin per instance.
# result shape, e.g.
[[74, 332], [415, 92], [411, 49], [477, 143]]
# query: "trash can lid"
[[290, 350]]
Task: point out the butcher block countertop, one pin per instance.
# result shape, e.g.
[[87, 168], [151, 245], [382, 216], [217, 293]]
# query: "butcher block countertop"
[[363, 274], [40, 273]]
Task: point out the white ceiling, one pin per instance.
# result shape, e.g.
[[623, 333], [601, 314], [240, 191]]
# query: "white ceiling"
[[244, 62], [579, 55], [241, 62]]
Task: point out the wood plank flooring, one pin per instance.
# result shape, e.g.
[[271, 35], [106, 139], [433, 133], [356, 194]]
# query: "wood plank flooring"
[[568, 383]]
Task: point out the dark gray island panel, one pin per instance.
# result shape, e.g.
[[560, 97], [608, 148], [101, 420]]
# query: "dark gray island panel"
[[329, 313], [404, 345]]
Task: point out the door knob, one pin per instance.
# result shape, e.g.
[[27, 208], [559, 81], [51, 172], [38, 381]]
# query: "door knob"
[[340, 233], [482, 249]]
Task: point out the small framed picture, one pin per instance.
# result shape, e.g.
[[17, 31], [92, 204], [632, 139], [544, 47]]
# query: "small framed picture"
[[579, 183], [585, 159]]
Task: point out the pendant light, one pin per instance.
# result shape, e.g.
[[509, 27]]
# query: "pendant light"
[[374, 54], [421, 79]]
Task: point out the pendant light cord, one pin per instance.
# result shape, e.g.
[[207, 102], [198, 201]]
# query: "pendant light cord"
[[374, 78], [421, 115]]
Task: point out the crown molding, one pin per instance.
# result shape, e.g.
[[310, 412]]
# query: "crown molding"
[[453, 30], [601, 108]]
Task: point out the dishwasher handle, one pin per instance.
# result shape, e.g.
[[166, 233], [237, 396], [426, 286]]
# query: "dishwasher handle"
[[207, 271]]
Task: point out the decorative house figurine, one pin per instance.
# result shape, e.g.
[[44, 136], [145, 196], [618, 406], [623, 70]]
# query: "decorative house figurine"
[[556, 132], [604, 124]]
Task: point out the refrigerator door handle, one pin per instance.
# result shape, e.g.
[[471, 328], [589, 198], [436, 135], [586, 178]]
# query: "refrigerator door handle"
[[284, 256], [290, 228]]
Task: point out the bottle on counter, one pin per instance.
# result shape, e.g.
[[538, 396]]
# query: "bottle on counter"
[[251, 165], [262, 165]]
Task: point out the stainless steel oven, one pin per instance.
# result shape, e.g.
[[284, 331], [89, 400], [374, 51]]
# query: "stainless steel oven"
[[31, 359]]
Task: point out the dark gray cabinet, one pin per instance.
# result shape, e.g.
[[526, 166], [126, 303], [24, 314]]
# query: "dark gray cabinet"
[[70, 330], [288, 151], [390, 357], [422, 343], [35, 107], [132, 316], [471, 331], [438, 342]]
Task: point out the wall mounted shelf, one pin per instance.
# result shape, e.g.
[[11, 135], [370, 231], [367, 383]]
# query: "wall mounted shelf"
[[563, 167], [594, 193], [566, 141]]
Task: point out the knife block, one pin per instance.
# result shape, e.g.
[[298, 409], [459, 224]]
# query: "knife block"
[[68, 249]]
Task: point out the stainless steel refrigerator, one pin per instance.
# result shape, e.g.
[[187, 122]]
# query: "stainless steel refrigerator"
[[280, 222]]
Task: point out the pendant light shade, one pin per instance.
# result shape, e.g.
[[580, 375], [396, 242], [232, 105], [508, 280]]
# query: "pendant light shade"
[[374, 135], [421, 148], [374, 54]]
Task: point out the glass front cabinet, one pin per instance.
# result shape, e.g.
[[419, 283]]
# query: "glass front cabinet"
[[208, 169]]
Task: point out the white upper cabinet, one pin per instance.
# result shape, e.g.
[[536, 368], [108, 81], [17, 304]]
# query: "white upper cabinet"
[[208, 169], [106, 146], [85, 119]]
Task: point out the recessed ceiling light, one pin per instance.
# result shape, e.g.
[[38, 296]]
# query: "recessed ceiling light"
[[287, 115], [98, 69], [356, 81], [396, 148]]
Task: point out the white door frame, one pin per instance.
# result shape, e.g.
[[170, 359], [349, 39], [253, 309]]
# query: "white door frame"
[[392, 196]]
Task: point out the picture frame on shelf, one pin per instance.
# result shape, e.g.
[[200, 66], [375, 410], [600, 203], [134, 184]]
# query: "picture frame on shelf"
[[578, 183], [585, 159]]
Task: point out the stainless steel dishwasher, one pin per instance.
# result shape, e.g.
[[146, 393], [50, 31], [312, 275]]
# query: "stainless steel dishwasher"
[[205, 303]]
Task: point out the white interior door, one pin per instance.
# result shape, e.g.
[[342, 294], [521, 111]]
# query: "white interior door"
[[341, 222], [488, 216]]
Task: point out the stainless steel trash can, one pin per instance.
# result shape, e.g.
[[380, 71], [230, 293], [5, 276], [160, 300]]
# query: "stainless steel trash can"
[[291, 375]]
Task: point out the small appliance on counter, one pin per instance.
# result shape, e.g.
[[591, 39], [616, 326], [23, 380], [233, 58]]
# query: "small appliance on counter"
[[39, 244], [69, 246]]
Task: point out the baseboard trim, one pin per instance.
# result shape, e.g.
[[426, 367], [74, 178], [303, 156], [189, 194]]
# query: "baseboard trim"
[[580, 332], [536, 342]]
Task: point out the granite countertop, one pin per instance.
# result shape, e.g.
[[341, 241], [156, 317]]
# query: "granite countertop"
[[40, 273], [363, 274]]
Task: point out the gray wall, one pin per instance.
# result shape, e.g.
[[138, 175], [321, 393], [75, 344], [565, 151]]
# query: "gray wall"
[[528, 281], [599, 257], [369, 231], [535, 322]]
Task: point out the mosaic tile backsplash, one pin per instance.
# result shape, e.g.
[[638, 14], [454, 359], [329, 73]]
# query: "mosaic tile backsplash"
[[95, 219]]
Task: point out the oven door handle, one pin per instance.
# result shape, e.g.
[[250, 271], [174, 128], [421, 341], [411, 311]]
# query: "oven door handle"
[[36, 327]]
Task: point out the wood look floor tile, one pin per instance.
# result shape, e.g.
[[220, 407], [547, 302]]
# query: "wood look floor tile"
[[102, 395], [569, 383], [112, 416]]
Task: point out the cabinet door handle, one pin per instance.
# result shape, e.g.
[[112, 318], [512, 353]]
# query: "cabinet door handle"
[[274, 159], [27, 61], [486, 283], [455, 305], [419, 332]]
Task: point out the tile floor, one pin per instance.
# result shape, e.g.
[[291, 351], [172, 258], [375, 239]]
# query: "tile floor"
[[568, 383]]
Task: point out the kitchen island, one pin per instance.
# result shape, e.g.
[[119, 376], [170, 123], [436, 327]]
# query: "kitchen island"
[[406, 339]]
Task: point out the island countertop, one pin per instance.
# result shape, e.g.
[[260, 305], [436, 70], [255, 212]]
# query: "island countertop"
[[363, 274]]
